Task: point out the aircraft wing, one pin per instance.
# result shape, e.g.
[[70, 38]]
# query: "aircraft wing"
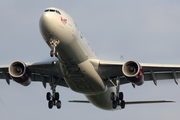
[[42, 72], [152, 72]]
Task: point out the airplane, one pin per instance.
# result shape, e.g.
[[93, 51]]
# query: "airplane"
[[76, 66]]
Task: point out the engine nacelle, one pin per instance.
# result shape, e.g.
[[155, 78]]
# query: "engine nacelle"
[[133, 72], [20, 73]]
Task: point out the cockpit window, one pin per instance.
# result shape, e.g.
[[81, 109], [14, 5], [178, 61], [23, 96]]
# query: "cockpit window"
[[58, 12], [46, 10], [52, 10]]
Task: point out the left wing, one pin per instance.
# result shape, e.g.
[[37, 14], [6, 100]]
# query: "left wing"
[[152, 72]]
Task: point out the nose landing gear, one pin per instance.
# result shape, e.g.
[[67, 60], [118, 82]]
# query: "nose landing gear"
[[53, 99], [117, 99], [54, 44]]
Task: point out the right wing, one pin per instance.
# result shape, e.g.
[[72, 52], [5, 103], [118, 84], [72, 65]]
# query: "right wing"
[[42, 72]]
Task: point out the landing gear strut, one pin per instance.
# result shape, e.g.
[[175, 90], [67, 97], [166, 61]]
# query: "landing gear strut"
[[54, 44], [53, 99], [117, 99]]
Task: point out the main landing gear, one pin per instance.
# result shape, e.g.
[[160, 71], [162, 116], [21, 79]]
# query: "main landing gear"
[[117, 99], [54, 44], [53, 99]]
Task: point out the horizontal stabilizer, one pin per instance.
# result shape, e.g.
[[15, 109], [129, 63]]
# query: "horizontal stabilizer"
[[79, 101], [129, 102], [144, 102]]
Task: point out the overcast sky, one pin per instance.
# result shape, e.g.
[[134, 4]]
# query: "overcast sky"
[[141, 30]]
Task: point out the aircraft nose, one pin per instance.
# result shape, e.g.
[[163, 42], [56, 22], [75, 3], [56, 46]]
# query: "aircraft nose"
[[46, 22], [46, 17]]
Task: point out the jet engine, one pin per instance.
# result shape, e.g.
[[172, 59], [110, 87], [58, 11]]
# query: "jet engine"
[[133, 72], [20, 73]]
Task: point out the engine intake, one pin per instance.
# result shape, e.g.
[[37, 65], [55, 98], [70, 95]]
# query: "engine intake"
[[20, 73], [133, 72]]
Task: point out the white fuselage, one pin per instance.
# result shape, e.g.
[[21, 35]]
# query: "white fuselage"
[[75, 56]]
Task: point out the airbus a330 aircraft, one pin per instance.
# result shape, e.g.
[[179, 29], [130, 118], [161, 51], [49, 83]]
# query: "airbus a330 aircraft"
[[76, 66]]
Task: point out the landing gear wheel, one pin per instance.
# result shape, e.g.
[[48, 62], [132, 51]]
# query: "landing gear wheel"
[[122, 104], [51, 53], [56, 96], [56, 54], [48, 96], [53, 99], [54, 43], [121, 96], [114, 104], [58, 104], [112, 96], [117, 98], [50, 104]]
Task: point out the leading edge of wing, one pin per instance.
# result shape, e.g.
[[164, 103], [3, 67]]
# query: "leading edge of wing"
[[103, 62]]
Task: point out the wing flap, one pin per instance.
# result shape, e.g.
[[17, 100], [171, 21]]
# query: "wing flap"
[[161, 76], [159, 67], [47, 78]]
